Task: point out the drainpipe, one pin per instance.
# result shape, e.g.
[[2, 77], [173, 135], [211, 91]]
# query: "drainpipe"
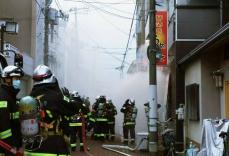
[[2, 37], [221, 13], [151, 53]]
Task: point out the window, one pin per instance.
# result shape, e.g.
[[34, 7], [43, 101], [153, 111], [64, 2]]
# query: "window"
[[192, 101]]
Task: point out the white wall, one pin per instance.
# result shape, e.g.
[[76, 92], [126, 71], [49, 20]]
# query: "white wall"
[[193, 75]]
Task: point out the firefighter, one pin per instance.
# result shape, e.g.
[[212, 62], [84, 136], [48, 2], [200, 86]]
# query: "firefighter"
[[91, 119], [130, 114], [9, 115], [52, 104], [64, 120], [87, 102], [111, 112], [76, 121], [100, 129]]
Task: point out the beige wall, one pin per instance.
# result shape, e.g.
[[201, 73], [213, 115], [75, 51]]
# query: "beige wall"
[[193, 75], [30, 36], [210, 94], [225, 66], [211, 98], [21, 12]]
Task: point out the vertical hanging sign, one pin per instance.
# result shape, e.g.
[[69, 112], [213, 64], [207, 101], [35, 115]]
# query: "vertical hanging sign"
[[161, 36]]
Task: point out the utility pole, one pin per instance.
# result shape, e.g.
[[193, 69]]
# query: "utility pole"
[[46, 35], [151, 53]]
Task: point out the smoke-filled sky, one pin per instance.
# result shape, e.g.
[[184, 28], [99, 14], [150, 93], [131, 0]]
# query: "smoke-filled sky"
[[93, 42]]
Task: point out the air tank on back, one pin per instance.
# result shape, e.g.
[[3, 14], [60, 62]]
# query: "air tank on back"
[[28, 109]]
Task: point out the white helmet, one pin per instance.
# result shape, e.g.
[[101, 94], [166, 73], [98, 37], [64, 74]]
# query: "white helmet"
[[42, 74], [75, 94], [97, 97], [12, 71], [108, 100], [131, 101]]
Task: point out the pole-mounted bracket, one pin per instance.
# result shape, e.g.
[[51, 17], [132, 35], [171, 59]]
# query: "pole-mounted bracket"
[[154, 54], [151, 53]]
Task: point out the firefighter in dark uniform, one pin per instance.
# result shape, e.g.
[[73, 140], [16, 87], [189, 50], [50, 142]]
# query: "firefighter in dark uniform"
[[111, 112], [52, 103], [91, 119], [64, 120], [100, 129], [9, 115], [76, 121], [87, 102], [130, 114]]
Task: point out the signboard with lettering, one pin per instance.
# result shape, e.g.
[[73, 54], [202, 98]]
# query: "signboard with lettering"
[[161, 36]]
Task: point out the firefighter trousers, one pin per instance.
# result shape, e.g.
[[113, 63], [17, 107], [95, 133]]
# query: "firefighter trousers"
[[100, 129], [76, 130], [111, 131], [129, 129]]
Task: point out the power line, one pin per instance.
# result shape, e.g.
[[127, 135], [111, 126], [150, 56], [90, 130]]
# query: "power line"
[[96, 2], [109, 6], [113, 25], [38, 5], [105, 51], [41, 11], [58, 4], [127, 45], [108, 12], [113, 48]]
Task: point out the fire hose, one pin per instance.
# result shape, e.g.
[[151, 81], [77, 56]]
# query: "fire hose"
[[10, 148], [85, 147], [110, 147]]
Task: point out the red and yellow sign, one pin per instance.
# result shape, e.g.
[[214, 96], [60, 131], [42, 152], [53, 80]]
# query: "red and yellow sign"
[[161, 36]]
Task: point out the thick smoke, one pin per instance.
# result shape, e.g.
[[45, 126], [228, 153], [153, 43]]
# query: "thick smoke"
[[80, 67]]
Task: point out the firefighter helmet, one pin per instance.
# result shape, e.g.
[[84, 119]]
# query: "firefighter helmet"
[[109, 100], [75, 94], [43, 74], [12, 71], [132, 101]]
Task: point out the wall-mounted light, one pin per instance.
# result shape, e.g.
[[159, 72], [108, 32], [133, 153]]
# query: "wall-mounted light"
[[11, 27], [218, 78]]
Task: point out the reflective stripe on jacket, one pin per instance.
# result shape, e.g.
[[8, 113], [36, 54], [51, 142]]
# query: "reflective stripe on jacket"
[[5, 134]]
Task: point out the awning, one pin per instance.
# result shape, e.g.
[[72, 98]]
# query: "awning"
[[220, 35]]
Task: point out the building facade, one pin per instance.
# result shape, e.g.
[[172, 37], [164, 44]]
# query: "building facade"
[[206, 68], [29, 40], [190, 23]]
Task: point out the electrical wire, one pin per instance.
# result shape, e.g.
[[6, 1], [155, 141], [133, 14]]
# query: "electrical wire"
[[39, 15], [58, 5], [38, 4], [127, 45], [108, 12], [105, 51], [109, 6], [114, 48], [112, 3], [41, 11], [96, 2], [113, 25]]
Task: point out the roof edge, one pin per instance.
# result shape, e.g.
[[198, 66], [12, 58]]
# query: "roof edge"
[[200, 47]]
